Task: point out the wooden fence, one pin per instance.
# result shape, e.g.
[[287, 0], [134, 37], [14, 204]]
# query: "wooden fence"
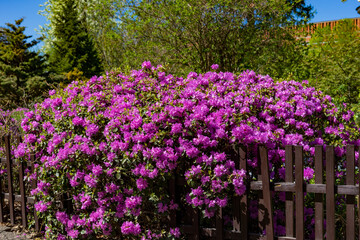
[[294, 188], [307, 30], [22, 196]]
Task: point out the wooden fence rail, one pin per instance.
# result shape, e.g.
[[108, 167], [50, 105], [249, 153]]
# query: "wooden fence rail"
[[294, 188]]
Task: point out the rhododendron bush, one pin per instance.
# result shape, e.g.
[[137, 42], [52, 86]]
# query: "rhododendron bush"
[[111, 143]]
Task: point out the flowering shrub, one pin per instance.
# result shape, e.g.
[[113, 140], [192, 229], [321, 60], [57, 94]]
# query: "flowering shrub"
[[10, 121], [112, 142], [10, 125]]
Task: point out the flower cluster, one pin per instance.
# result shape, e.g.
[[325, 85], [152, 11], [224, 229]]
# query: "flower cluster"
[[112, 142]]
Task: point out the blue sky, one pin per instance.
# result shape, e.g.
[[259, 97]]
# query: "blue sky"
[[11, 10]]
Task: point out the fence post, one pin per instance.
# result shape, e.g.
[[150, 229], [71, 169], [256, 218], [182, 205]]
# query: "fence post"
[[10, 179], [350, 199], [330, 193], [265, 178]]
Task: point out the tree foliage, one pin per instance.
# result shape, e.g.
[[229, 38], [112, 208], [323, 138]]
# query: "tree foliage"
[[333, 62], [22, 71], [99, 19], [237, 35], [72, 46]]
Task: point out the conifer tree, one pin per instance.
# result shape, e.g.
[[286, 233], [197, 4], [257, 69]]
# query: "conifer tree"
[[72, 46], [22, 71]]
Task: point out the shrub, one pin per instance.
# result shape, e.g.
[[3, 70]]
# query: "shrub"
[[10, 121], [112, 142]]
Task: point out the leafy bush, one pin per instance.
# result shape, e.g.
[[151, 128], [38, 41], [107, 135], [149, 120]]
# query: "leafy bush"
[[111, 143], [10, 121]]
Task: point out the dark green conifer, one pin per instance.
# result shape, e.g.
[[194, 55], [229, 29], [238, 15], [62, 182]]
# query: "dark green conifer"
[[22, 71], [72, 46]]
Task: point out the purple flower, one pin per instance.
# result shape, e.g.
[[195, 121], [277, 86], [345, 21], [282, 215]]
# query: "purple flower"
[[86, 201], [62, 217], [175, 232], [41, 206], [141, 184], [132, 202], [146, 64], [162, 207], [220, 170], [73, 233], [97, 170], [78, 121], [91, 130], [130, 228], [308, 173], [176, 128], [90, 181], [214, 66], [20, 150]]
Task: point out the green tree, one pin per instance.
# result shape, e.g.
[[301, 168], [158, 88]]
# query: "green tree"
[[22, 71], [72, 46], [237, 35], [333, 61], [99, 17]]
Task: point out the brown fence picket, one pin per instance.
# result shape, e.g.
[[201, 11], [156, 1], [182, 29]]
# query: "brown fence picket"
[[289, 196], [22, 190], [319, 205], [299, 195], [10, 179], [330, 193], [350, 199], [266, 192]]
